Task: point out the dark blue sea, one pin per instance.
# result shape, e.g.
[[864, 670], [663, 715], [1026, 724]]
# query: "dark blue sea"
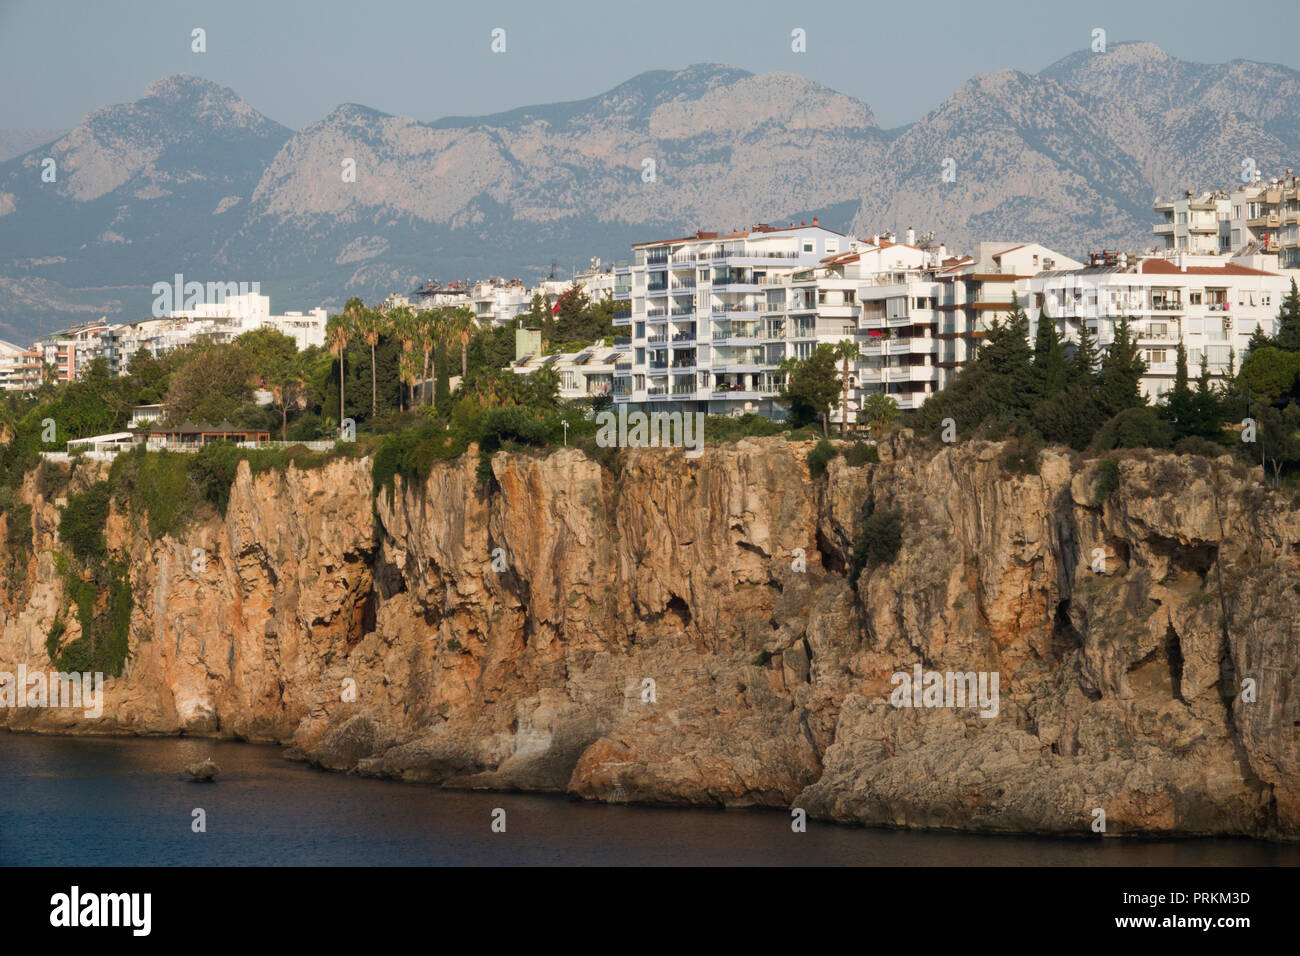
[[76, 801]]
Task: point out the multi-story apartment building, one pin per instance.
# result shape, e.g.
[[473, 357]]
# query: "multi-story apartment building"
[[71, 350], [712, 316], [1209, 303], [1195, 224], [20, 368], [920, 325], [1261, 218], [1267, 216]]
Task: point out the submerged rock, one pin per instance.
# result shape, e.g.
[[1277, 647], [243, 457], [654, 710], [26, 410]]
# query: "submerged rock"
[[203, 772]]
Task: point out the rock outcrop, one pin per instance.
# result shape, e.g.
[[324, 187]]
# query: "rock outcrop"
[[685, 632]]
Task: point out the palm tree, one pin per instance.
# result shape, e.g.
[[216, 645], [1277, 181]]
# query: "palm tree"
[[408, 370], [339, 330], [370, 324], [463, 325], [432, 328], [845, 349], [403, 326], [880, 411]]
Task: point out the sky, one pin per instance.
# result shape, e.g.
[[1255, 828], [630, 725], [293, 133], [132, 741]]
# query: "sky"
[[295, 60]]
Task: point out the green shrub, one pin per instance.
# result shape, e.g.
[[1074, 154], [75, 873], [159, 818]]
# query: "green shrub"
[[155, 483], [1134, 428], [411, 454], [1106, 482], [820, 457], [860, 453], [1020, 454], [878, 542], [105, 631], [81, 524], [1196, 445], [18, 533]]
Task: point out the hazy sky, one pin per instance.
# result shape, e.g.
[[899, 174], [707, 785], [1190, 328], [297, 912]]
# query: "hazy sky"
[[295, 60]]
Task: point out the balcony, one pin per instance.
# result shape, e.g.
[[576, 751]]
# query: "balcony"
[[1163, 229]]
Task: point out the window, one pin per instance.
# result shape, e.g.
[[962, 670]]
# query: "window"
[[1196, 298], [809, 246], [1155, 356], [832, 245]]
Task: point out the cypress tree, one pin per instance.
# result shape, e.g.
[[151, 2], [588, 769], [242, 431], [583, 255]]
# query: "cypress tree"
[[1288, 321], [1050, 369], [1083, 363], [1119, 384], [1178, 408], [1006, 362], [1258, 340]]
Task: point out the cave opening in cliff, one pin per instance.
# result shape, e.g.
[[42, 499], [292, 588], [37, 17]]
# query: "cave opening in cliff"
[[1174, 655], [1065, 636], [679, 609]]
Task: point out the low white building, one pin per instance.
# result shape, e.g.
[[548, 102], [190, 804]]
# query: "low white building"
[[586, 373], [237, 314]]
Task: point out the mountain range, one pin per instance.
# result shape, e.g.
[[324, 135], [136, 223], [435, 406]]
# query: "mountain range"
[[191, 179]]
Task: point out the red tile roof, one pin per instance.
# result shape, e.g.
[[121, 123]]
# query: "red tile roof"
[[1164, 267]]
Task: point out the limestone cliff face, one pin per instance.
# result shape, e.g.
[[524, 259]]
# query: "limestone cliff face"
[[685, 632]]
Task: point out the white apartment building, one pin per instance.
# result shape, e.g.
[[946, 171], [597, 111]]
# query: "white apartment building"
[[1209, 303], [712, 316], [71, 350], [1259, 218], [20, 368], [237, 314], [920, 324], [1195, 224]]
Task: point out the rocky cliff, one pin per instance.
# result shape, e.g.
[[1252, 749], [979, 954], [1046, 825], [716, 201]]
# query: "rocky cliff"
[[685, 632]]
